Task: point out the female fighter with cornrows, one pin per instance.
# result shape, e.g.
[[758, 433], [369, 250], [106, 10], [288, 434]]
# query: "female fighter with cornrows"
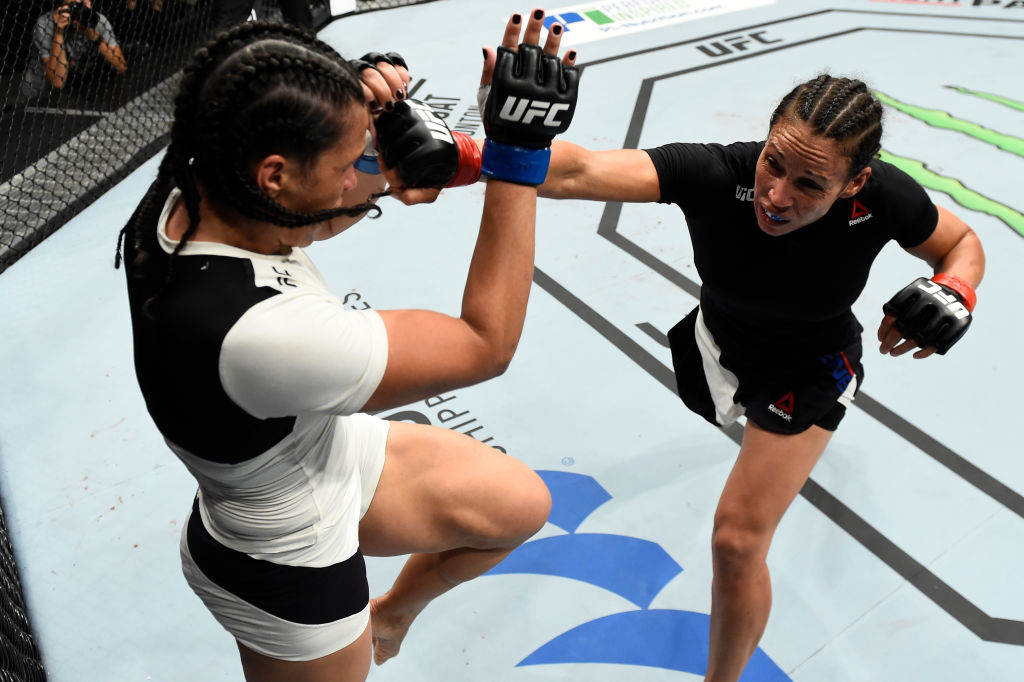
[[257, 376], [784, 232]]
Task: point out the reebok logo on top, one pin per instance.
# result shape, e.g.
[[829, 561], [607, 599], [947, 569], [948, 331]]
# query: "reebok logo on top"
[[859, 214], [783, 407]]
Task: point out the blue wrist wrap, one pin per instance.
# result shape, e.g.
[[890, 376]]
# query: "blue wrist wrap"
[[522, 165], [367, 163]]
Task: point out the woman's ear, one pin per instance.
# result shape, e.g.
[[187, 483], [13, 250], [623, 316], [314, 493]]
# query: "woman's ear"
[[856, 184], [271, 175]]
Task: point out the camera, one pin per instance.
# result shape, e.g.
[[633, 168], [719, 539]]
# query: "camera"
[[82, 15]]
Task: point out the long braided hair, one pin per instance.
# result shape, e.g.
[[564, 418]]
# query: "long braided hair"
[[841, 109], [256, 89]]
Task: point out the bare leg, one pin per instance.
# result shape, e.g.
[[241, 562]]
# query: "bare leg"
[[741, 601], [462, 506], [769, 472]]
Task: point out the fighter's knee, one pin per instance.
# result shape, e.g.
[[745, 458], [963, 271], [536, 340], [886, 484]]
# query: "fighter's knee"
[[509, 518], [735, 549], [528, 509], [536, 504]]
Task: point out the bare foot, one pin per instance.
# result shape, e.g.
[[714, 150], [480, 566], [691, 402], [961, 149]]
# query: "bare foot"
[[388, 629]]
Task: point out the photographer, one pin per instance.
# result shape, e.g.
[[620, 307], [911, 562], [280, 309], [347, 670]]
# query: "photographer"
[[68, 40]]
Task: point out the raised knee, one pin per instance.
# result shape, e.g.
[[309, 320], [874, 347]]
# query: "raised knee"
[[528, 512], [507, 518], [537, 502]]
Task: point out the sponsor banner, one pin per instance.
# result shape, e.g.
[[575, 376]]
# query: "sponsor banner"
[[610, 18]]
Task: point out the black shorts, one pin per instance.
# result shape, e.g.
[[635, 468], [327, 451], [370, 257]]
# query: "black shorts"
[[788, 399]]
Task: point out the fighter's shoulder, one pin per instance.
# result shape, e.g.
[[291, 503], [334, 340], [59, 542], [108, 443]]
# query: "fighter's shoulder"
[[706, 157], [889, 179]]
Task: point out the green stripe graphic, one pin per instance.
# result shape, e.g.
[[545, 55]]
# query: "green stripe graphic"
[[998, 99], [598, 17], [967, 198], [941, 119]]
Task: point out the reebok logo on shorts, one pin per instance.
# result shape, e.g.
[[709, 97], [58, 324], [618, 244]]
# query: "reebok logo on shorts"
[[783, 407], [859, 214]]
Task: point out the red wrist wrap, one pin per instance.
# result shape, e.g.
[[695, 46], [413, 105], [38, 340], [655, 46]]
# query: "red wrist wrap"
[[961, 287], [468, 170]]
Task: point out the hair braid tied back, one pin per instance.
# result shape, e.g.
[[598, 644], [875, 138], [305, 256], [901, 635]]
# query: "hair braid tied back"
[[257, 89]]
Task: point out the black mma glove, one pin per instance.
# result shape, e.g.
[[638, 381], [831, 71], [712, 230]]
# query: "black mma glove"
[[417, 144], [933, 312], [532, 98], [370, 59]]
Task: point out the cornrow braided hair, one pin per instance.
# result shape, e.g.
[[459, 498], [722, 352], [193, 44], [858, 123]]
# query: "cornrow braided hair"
[[256, 89], [249, 102], [841, 109], [809, 95]]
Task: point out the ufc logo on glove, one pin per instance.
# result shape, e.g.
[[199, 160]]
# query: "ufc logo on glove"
[[952, 303], [438, 130], [933, 312], [515, 109]]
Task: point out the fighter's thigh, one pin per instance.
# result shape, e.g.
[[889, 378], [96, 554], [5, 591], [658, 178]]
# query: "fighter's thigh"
[[441, 489], [768, 474]]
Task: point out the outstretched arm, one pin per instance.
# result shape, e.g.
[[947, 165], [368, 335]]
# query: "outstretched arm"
[[614, 175]]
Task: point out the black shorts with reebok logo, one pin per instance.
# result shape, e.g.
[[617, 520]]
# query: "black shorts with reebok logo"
[[786, 400]]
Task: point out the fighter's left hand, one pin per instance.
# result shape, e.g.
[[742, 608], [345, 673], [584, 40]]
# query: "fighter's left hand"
[[385, 79], [890, 338], [408, 195]]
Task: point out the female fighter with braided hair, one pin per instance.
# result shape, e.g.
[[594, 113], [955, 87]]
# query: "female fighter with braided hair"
[[256, 375], [784, 232]]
